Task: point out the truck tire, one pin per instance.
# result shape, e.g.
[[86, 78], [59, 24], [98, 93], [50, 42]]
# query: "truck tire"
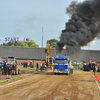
[[67, 74], [99, 68], [16, 70], [84, 67], [93, 67], [87, 68]]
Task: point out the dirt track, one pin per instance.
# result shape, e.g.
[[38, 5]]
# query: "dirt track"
[[23, 71], [46, 86]]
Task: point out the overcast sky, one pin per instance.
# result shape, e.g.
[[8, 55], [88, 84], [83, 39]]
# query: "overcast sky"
[[25, 18]]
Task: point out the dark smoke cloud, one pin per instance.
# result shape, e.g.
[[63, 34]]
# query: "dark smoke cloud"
[[82, 27]]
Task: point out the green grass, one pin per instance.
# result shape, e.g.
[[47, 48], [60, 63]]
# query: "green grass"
[[80, 70], [20, 67], [19, 76], [2, 81], [12, 78]]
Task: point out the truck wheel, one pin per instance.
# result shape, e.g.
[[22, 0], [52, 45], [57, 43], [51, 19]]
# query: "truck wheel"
[[67, 74], [16, 70], [87, 68], [99, 68], [84, 67]]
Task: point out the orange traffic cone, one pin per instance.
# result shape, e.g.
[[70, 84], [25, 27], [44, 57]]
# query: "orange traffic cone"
[[97, 76], [99, 79]]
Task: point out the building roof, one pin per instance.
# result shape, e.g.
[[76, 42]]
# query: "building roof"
[[36, 53]]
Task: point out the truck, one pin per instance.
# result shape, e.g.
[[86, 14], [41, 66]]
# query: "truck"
[[91, 65], [61, 65]]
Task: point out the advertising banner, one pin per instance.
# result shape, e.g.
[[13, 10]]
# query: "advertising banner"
[[23, 39]]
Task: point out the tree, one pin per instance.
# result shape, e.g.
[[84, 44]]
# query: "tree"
[[23, 44], [32, 44], [53, 43]]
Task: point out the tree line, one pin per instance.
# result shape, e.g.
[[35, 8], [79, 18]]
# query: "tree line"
[[52, 43]]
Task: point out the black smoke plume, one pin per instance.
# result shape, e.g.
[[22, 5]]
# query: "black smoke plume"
[[82, 27]]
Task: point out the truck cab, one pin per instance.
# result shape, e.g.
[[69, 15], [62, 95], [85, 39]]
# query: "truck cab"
[[61, 65]]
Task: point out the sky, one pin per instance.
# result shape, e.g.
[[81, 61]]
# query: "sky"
[[27, 18]]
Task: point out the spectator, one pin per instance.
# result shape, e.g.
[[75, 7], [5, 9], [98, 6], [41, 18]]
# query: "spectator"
[[4, 65], [37, 66], [22, 65], [9, 71], [3, 68], [41, 67]]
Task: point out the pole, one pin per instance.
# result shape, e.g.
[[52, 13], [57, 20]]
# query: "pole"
[[42, 47]]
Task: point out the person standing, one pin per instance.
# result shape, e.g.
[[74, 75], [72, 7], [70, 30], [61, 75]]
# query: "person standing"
[[9, 71], [37, 67], [22, 65], [5, 68], [41, 66]]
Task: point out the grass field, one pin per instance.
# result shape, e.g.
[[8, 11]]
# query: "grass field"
[[19, 76], [3, 81], [20, 67]]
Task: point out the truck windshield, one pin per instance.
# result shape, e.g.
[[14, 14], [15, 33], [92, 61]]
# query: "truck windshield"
[[91, 61], [61, 61]]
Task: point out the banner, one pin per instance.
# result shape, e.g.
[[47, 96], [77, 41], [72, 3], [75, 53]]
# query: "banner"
[[23, 39]]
